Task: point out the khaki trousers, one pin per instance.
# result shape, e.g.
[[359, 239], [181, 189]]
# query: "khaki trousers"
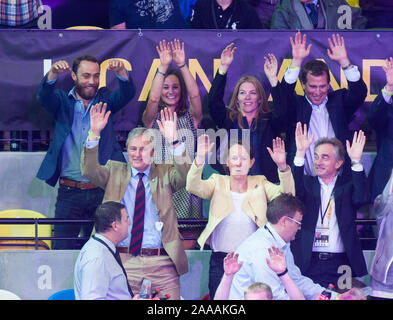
[[160, 270]]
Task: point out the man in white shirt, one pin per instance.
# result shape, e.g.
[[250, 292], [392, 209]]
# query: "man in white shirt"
[[326, 113], [328, 240], [284, 215], [98, 273]]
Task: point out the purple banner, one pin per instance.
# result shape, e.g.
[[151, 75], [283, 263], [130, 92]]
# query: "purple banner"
[[26, 55]]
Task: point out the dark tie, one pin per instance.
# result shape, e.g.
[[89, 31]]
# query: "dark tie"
[[313, 13], [118, 259], [139, 218]]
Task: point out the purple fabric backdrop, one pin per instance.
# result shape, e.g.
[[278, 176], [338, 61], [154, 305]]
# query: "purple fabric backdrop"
[[22, 55]]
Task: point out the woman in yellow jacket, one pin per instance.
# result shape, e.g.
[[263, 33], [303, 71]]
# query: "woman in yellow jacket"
[[238, 201]]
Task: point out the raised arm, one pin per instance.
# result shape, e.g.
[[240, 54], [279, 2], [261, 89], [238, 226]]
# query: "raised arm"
[[90, 167], [47, 95], [379, 108], [215, 96], [337, 51], [181, 163], [287, 184], [278, 264], [361, 194], [179, 57], [165, 54], [270, 68], [300, 50], [302, 145], [119, 98], [195, 184], [231, 266]]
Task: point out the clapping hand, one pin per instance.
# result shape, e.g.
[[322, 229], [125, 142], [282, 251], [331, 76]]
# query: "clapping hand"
[[389, 73], [302, 141], [231, 264], [168, 125], [299, 49], [270, 67], [278, 153], [356, 150], [277, 260], [98, 118], [337, 51]]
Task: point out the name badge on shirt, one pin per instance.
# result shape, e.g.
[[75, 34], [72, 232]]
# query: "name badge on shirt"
[[321, 237]]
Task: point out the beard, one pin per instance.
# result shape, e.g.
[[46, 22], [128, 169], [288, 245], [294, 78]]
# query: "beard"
[[86, 92]]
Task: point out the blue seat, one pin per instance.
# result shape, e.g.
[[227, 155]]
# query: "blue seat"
[[67, 294]]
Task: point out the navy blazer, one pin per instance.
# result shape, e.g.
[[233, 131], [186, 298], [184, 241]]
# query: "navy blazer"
[[380, 117], [268, 128], [61, 106], [341, 106], [348, 197]]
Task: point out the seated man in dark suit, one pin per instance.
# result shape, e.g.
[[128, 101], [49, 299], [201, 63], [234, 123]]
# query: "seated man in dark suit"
[[380, 117], [317, 14], [78, 198], [326, 113], [328, 238]]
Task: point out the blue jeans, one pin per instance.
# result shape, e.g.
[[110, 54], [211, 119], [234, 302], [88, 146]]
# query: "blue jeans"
[[75, 204]]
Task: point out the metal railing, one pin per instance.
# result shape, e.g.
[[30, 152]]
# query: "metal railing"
[[52, 221], [367, 242]]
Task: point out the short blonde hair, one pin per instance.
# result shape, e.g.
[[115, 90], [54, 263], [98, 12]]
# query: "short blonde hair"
[[259, 286]]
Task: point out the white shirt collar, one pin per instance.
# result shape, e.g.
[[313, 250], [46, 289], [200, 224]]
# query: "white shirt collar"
[[106, 240], [134, 171], [333, 182], [280, 241], [314, 106]]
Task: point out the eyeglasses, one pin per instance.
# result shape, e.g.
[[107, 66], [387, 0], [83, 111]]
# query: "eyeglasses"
[[298, 222]]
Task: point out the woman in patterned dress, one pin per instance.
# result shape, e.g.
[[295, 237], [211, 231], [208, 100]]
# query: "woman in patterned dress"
[[172, 88]]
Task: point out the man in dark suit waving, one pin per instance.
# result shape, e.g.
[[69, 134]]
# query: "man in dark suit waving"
[[326, 113], [328, 239]]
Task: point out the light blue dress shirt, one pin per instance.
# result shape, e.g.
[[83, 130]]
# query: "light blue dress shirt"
[[97, 274], [253, 252], [151, 231], [73, 144]]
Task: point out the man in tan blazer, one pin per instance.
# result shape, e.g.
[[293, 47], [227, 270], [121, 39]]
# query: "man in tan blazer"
[[160, 256]]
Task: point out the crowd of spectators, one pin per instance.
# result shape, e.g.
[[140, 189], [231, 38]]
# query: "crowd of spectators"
[[256, 199]]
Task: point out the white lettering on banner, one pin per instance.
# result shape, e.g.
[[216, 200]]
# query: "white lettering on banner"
[[45, 21], [45, 281], [345, 21], [344, 281], [47, 65]]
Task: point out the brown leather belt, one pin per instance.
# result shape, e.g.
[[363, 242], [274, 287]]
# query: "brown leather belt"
[[147, 252], [77, 184]]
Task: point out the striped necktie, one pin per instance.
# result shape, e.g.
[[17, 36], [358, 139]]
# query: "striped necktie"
[[139, 218]]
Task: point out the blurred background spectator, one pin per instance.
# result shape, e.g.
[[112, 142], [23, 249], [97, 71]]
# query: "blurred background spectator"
[[145, 14], [224, 14], [264, 9], [22, 14], [314, 14], [379, 13]]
